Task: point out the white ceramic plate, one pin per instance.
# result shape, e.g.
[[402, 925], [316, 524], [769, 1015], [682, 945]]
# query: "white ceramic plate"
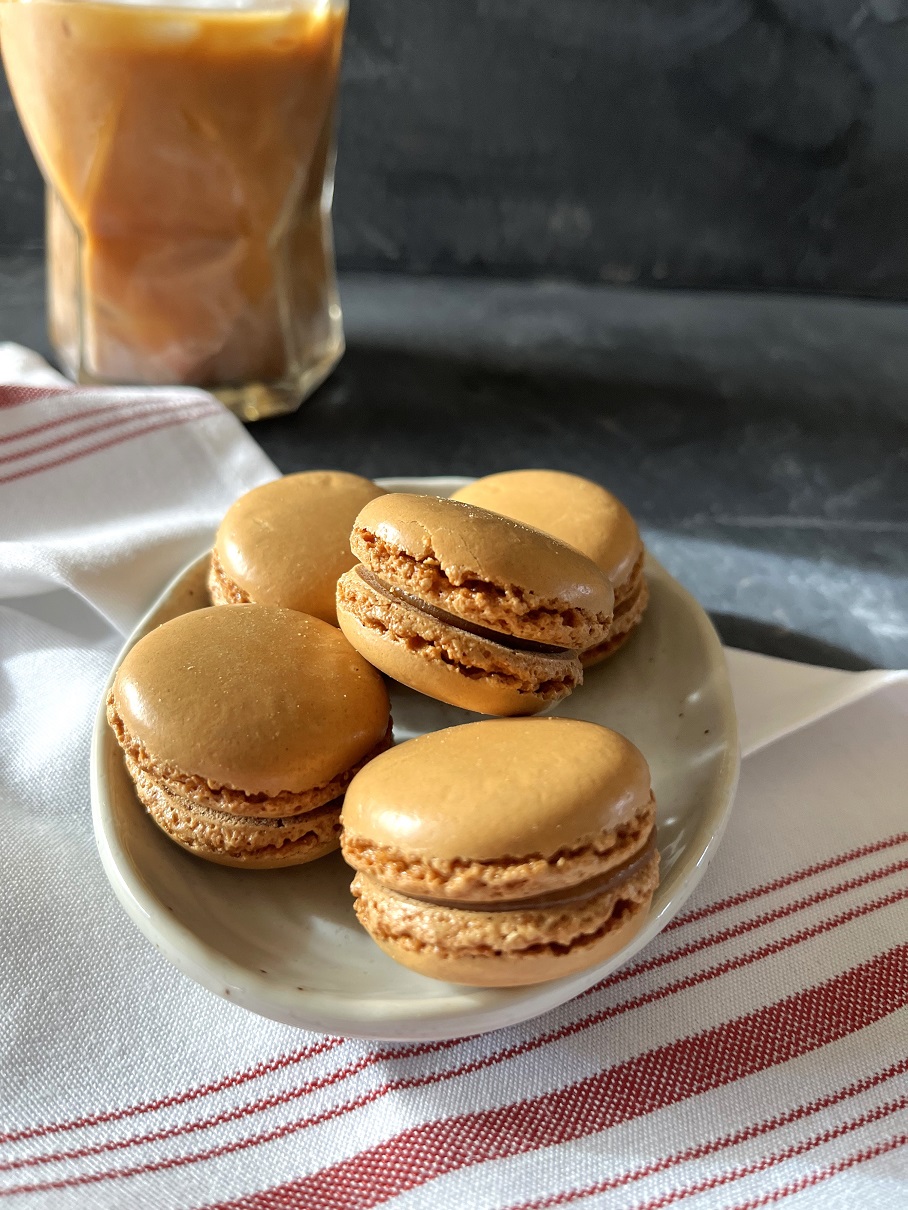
[[286, 944]]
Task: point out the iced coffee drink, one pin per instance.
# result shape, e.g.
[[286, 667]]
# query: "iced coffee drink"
[[188, 152]]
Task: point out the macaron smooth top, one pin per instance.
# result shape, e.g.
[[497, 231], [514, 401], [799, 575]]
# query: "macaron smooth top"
[[287, 542], [500, 789], [482, 567], [251, 697], [571, 508]]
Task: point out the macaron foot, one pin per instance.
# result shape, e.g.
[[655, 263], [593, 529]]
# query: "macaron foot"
[[477, 882], [504, 948], [446, 661], [631, 600], [245, 842], [221, 589]]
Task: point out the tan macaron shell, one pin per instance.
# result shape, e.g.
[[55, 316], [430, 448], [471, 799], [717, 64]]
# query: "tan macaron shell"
[[254, 698], [499, 789], [485, 568], [569, 507], [286, 543]]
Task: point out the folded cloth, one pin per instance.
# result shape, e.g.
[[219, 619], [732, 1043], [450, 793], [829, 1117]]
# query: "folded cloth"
[[105, 491], [756, 1051]]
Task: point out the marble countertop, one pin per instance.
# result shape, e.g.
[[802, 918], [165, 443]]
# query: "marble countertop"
[[761, 440]]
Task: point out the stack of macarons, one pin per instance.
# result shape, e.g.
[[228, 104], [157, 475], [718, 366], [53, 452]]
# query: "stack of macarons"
[[471, 607], [504, 852], [258, 732], [242, 728]]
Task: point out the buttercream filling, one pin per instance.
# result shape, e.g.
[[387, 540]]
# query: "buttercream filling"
[[600, 884], [392, 593]]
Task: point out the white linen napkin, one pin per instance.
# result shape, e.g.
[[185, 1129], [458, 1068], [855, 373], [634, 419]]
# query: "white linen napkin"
[[106, 492], [754, 1052]]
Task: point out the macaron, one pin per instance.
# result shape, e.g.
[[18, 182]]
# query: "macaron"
[[286, 542], [469, 607], [242, 727], [585, 515], [504, 852]]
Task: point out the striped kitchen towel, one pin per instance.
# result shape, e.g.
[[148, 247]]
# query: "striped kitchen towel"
[[107, 491]]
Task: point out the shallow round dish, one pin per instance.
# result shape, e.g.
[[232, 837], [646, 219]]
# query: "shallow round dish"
[[286, 944]]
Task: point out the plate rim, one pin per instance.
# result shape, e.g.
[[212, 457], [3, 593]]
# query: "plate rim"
[[441, 1017]]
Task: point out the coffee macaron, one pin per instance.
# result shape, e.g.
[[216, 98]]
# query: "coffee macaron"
[[286, 542], [504, 852], [242, 727], [469, 607], [585, 515]]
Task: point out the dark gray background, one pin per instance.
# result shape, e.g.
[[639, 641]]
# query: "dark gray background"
[[749, 143]]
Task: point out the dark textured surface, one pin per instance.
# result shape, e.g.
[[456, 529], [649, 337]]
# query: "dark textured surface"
[[753, 143], [761, 442]]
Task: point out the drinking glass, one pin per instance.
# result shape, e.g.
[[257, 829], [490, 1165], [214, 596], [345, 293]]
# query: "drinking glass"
[[188, 152]]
